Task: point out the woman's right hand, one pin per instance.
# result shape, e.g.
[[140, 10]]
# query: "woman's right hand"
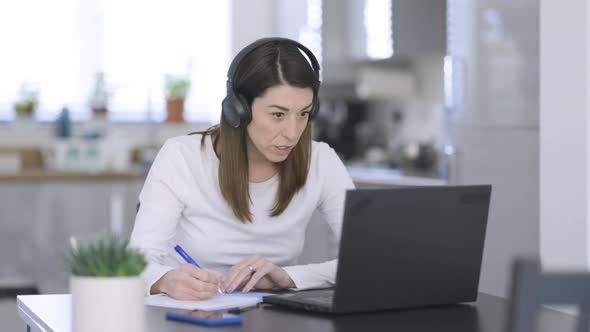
[[188, 282]]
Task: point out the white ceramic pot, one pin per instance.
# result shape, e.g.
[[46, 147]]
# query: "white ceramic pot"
[[107, 304]]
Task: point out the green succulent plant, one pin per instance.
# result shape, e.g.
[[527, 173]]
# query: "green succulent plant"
[[176, 86], [100, 93], [108, 257], [28, 99]]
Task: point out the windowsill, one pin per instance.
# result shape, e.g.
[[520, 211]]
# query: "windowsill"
[[42, 134]]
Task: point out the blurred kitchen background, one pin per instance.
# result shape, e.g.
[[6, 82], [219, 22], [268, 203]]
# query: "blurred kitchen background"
[[414, 92]]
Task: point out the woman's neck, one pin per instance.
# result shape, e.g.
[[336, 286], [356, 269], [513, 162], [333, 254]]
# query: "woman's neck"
[[261, 171]]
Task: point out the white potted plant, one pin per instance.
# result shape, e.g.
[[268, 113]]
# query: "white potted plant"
[[107, 291]]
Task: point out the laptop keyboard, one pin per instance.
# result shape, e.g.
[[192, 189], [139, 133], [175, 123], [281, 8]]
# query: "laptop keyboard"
[[324, 300], [318, 300], [323, 297]]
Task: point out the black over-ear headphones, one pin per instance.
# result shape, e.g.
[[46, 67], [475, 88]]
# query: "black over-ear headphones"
[[235, 108]]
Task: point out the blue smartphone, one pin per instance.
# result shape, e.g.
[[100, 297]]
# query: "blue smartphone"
[[208, 318]]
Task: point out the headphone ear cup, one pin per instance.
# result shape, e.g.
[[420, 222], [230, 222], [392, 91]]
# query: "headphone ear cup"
[[228, 111], [244, 111], [315, 108], [235, 110]]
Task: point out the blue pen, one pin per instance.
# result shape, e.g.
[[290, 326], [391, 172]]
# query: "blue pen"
[[186, 257], [189, 260]]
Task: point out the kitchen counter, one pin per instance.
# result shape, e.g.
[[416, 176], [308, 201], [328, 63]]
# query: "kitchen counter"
[[365, 176], [361, 175]]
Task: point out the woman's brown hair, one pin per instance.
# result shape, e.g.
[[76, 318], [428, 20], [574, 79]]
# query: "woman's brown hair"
[[270, 64]]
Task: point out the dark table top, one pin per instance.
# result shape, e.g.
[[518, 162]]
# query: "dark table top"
[[488, 314]]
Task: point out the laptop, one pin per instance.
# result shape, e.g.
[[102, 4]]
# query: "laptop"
[[404, 248]]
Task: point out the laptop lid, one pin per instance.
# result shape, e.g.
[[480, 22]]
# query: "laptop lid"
[[411, 247]]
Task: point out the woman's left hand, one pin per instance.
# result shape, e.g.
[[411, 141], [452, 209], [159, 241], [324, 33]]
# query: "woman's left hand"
[[256, 272]]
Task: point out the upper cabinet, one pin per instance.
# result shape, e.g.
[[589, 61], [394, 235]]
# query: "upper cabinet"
[[419, 27], [356, 31]]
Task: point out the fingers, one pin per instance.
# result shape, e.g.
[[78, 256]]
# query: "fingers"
[[238, 279], [204, 275], [217, 275], [184, 289], [192, 283], [233, 273], [261, 271], [240, 273], [191, 295]]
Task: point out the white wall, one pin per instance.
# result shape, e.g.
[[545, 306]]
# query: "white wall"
[[290, 17], [564, 120], [251, 20], [496, 133], [424, 116], [254, 19]]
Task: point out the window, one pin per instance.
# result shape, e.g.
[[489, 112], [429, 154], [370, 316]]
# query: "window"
[[455, 61], [310, 34], [377, 19], [58, 46]]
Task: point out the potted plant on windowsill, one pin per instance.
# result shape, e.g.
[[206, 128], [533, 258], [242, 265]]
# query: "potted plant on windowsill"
[[176, 88], [27, 102], [107, 291]]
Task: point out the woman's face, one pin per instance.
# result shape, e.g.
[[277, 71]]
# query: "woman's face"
[[279, 117]]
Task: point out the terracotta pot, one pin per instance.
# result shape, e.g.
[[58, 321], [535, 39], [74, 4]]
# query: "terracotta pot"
[[174, 110], [100, 111], [24, 111]]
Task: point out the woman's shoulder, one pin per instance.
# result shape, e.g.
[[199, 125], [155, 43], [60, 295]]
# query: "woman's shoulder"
[[318, 147], [327, 165], [186, 144], [184, 139], [189, 140], [322, 152]]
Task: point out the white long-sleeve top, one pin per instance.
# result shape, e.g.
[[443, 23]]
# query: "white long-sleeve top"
[[181, 203]]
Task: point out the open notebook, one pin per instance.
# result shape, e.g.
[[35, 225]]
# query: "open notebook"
[[217, 302]]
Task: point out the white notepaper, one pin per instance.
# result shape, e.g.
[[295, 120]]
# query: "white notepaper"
[[217, 302]]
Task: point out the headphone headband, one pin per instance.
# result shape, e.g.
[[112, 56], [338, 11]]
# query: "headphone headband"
[[246, 50]]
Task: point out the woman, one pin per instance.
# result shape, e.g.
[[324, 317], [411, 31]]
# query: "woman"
[[238, 196]]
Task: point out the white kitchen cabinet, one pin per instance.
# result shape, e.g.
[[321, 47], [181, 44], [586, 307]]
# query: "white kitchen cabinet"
[[39, 217]]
